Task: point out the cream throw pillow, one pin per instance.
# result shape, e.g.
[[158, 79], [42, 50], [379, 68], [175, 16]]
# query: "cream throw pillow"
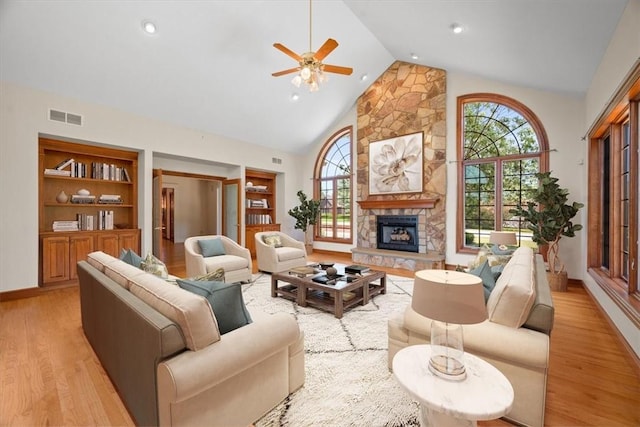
[[514, 294]]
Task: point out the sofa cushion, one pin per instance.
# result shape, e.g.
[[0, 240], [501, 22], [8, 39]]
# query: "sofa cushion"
[[225, 299], [99, 259], [287, 253], [131, 257], [510, 301], [121, 272], [211, 247], [272, 240], [189, 311], [488, 282]]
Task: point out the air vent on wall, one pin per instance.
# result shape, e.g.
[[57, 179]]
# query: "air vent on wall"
[[61, 116], [276, 160]]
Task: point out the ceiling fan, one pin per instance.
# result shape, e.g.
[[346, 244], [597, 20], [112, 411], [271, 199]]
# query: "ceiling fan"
[[310, 67]]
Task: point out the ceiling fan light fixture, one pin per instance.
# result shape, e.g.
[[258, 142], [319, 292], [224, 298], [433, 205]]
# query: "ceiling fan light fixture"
[[297, 80], [305, 73]]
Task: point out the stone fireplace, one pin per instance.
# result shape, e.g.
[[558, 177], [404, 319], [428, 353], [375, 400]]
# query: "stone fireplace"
[[406, 99]]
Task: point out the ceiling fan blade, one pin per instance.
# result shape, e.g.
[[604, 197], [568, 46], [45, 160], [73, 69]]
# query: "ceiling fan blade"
[[325, 49], [283, 72], [337, 69], [287, 51]]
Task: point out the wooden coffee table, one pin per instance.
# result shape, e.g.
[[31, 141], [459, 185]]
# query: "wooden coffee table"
[[336, 297]]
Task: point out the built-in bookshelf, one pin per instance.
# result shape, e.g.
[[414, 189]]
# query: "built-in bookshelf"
[[260, 205], [87, 201]]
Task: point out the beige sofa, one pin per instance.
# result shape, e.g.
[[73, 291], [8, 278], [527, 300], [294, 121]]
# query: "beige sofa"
[[236, 261], [161, 347], [514, 338], [289, 254]]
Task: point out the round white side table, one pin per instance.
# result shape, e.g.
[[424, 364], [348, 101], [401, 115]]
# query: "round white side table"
[[485, 394]]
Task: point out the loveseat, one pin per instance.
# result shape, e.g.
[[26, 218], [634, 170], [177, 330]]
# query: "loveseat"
[[161, 347], [514, 338]]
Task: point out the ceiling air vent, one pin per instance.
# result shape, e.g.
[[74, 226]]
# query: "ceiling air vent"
[[61, 116]]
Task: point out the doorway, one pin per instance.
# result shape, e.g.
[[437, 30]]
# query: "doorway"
[[168, 213]]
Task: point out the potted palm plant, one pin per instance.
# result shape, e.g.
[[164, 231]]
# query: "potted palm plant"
[[306, 214], [549, 217]]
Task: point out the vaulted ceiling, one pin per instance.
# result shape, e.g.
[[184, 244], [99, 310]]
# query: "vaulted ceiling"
[[209, 65]]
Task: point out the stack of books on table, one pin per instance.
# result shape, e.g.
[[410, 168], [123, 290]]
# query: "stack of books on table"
[[356, 269], [110, 199], [65, 225], [78, 198]]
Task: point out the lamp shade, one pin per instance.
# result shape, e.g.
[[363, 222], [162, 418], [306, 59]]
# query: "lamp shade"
[[449, 296], [503, 238]]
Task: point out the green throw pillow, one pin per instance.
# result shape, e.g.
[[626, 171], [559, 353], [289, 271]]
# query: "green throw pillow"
[[130, 257], [211, 247], [225, 299], [484, 273], [153, 265], [216, 276], [272, 240]]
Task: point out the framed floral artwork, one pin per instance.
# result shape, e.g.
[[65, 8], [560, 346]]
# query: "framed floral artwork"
[[395, 165]]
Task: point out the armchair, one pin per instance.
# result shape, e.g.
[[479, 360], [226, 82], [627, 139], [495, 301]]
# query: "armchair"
[[236, 260], [273, 258]]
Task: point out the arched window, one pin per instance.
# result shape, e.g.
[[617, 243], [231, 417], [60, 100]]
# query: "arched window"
[[501, 146], [333, 187]]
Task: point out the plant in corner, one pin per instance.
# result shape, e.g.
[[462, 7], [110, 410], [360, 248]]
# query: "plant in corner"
[[306, 214], [549, 217]]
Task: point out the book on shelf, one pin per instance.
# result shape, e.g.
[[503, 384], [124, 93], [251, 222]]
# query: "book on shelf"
[[63, 164], [65, 226], [79, 199], [105, 220], [85, 221], [110, 199], [56, 172]]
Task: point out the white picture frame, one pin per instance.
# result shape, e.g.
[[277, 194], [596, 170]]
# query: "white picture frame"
[[395, 165]]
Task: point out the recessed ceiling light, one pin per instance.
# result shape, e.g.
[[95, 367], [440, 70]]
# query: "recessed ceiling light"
[[414, 56], [149, 27], [364, 77], [456, 28], [295, 96]]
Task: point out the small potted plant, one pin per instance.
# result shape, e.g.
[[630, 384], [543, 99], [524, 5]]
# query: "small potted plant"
[[549, 218], [306, 214]]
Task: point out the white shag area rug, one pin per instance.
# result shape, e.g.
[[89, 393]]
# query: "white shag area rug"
[[347, 380]]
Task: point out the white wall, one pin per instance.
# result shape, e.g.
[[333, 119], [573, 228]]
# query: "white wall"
[[618, 60], [23, 116]]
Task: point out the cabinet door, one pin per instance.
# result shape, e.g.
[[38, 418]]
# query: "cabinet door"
[[79, 247], [55, 259], [129, 240], [109, 244], [250, 235]]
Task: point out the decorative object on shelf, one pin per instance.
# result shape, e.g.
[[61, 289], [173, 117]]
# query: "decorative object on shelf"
[[306, 214], [395, 165], [310, 67], [549, 218], [83, 192], [62, 197], [450, 299]]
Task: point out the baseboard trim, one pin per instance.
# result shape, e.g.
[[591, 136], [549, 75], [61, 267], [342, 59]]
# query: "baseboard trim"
[[31, 292]]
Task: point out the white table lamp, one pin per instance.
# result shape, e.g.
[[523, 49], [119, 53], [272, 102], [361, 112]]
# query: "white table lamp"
[[503, 238], [450, 299]]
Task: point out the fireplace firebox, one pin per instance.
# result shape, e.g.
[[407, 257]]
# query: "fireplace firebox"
[[397, 232]]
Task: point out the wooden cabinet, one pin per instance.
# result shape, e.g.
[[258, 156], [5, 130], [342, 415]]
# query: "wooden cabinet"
[[260, 207], [88, 200]]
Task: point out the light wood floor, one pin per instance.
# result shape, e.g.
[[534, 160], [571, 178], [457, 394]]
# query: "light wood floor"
[[50, 376]]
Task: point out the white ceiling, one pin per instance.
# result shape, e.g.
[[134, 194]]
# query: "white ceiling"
[[209, 65]]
